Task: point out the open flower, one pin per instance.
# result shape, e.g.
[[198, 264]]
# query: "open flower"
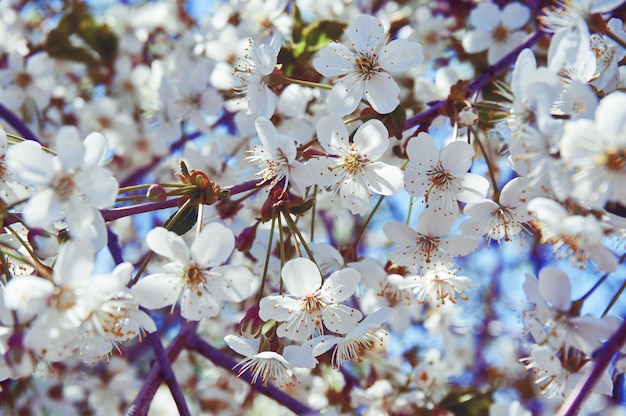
[[352, 169], [277, 159], [195, 276], [427, 248], [364, 72], [311, 305], [437, 286], [496, 30], [442, 178]]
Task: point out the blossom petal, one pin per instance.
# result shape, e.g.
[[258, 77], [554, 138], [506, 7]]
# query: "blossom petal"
[[382, 93], [355, 196], [371, 139], [400, 55], [515, 15], [473, 188], [213, 246], [384, 179], [554, 287], [340, 285], [345, 96], [341, 318], [168, 244], [334, 59], [400, 233], [157, 290], [366, 33], [333, 134], [266, 132], [69, 147], [477, 41], [301, 277], [276, 307]]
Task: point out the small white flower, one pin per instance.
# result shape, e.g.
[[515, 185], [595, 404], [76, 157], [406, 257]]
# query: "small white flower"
[[253, 76], [312, 304], [365, 336], [502, 220], [596, 150], [496, 30], [437, 286], [427, 248], [270, 366], [581, 234], [352, 169], [195, 276], [365, 71], [277, 159], [442, 179]]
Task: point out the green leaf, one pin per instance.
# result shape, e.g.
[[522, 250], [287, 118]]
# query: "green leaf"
[[185, 221]]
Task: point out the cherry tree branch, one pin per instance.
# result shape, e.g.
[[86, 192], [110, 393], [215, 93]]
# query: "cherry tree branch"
[[606, 354], [218, 358], [167, 373], [19, 126], [141, 404]]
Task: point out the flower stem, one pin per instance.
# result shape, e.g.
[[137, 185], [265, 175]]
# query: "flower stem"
[[492, 176], [281, 247], [267, 261], [294, 228], [616, 38], [43, 270], [358, 238], [306, 83]]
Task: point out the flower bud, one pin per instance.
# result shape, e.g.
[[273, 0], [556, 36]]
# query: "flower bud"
[[45, 244], [468, 116], [156, 193], [251, 324], [245, 240]]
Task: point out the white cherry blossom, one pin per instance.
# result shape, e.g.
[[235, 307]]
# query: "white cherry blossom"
[[437, 286], [260, 61], [353, 169], [365, 72], [195, 276], [596, 150], [428, 247], [442, 178], [496, 31], [312, 304], [277, 159]]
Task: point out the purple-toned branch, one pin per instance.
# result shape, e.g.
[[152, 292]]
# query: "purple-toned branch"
[[244, 187], [141, 404], [116, 213], [606, 354], [429, 114], [202, 347], [113, 244], [20, 127], [168, 374]]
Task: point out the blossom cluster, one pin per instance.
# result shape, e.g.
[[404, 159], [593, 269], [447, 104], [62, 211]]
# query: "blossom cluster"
[[330, 207]]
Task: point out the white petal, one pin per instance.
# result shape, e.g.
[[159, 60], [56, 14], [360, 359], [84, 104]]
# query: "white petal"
[[334, 59], [157, 290], [28, 295], [456, 157], [400, 55], [43, 209], [301, 277], [95, 149], [400, 233], [266, 132], [340, 285], [384, 179], [423, 152], [30, 164], [235, 283], [382, 93], [69, 147], [477, 41], [196, 304], [333, 134], [371, 139], [340, 318], [460, 245], [241, 345], [168, 244], [473, 188], [611, 114], [345, 96], [213, 246], [276, 307], [366, 33], [515, 15], [554, 287], [485, 15], [355, 196]]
